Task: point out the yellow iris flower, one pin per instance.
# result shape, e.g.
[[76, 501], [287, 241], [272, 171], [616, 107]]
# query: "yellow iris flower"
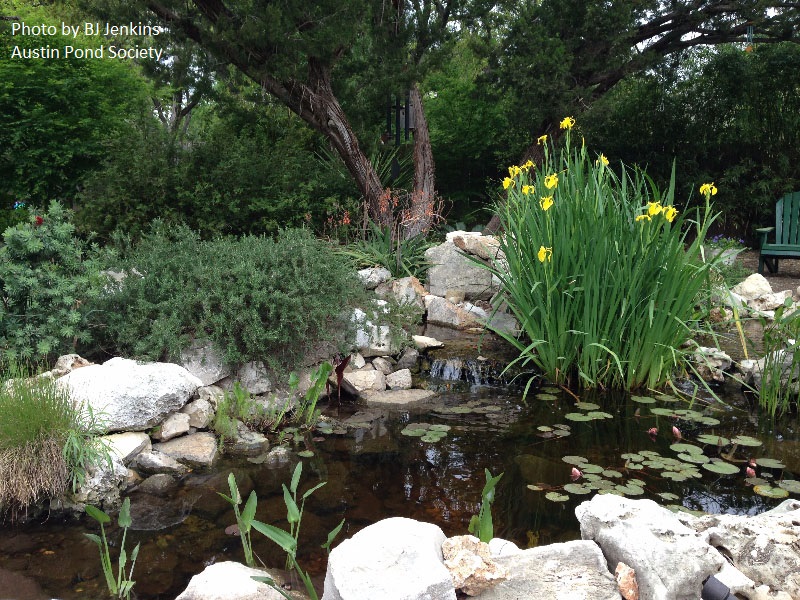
[[670, 212], [528, 189], [551, 181], [602, 160], [546, 202], [643, 218], [708, 189], [567, 123], [514, 170], [507, 183], [541, 139], [528, 164], [544, 254], [654, 208]]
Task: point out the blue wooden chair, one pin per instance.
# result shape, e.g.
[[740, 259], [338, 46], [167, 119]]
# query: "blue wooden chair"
[[787, 234]]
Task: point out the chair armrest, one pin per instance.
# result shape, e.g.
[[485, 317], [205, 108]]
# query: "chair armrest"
[[762, 234]]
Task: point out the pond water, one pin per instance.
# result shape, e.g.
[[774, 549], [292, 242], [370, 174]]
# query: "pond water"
[[390, 464]]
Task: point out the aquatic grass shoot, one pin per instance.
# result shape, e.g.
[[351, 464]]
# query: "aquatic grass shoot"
[[599, 270]]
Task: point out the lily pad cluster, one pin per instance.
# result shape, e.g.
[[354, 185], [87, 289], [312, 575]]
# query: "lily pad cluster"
[[591, 412], [471, 407], [426, 432]]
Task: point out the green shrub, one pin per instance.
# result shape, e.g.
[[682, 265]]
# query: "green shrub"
[[600, 273], [46, 281], [256, 298], [46, 444], [384, 247]]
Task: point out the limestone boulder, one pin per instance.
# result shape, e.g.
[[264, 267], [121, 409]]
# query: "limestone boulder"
[[157, 462], [372, 277], [200, 412], [407, 290], [175, 425], [372, 338], [230, 581], [102, 484], [451, 270], [486, 247], [127, 446], [765, 547], [399, 380], [252, 376], [572, 570], [131, 396], [358, 382], [409, 359], [753, 287], [770, 301], [424, 342], [396, 558], [203, 360], [195, 450], [470, 562], [395, 398], [669, 559], [711, 363]]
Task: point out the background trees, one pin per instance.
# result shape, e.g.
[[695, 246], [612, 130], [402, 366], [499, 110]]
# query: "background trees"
[[236, 131]]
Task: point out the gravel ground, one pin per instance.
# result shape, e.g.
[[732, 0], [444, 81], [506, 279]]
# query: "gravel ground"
[[787, 277]]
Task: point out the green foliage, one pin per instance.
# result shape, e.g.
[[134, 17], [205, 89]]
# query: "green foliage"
[[481, 525], [244, 519], [256, 298], [600, 272], [383, 247], [236, 405], [46, 281], [45, 151], [46, 443], [121, 585], [723, 116], [294, 515], [781, 362]]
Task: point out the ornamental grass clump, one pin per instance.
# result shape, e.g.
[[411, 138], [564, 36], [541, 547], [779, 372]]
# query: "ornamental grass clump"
[[46, 444], [599, 269]]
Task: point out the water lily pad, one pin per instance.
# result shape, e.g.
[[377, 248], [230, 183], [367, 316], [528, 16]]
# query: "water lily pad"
[[643, 399], [612, 473], [551, 390], [790, 485], [770, 463], [709, 421], [675, 475], [654, 464], [770, 492], [746, 440], [592, 477], [439, 427], [546, 397], [629, 489], [574, 460], [632, 456], [544, 428], [305, 453], [664, 412], [578, 417], [414, 432], [431, 439], [562, 426], [713, 440], [634, 466], [721, 467], [577, 488], [757, 481], [535, 488], [587, 405], [686, 448], [668, 496], [556, 497], [699, 459], [561, 432], [667, 398], [590, 468], [597, 414]]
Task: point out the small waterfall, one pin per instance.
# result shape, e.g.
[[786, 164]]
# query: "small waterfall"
[[470, 370]]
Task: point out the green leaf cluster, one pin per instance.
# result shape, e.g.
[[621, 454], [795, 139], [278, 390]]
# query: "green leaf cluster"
[[599, 271], [256, 298], [46, 281], [121, 585]]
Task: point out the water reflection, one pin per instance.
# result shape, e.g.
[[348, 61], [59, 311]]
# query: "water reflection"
[[375, 472]]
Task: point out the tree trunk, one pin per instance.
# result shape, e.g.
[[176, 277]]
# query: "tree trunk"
[[422, 210]]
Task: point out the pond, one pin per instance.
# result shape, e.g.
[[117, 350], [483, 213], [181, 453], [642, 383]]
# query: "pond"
[[428, 464]]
